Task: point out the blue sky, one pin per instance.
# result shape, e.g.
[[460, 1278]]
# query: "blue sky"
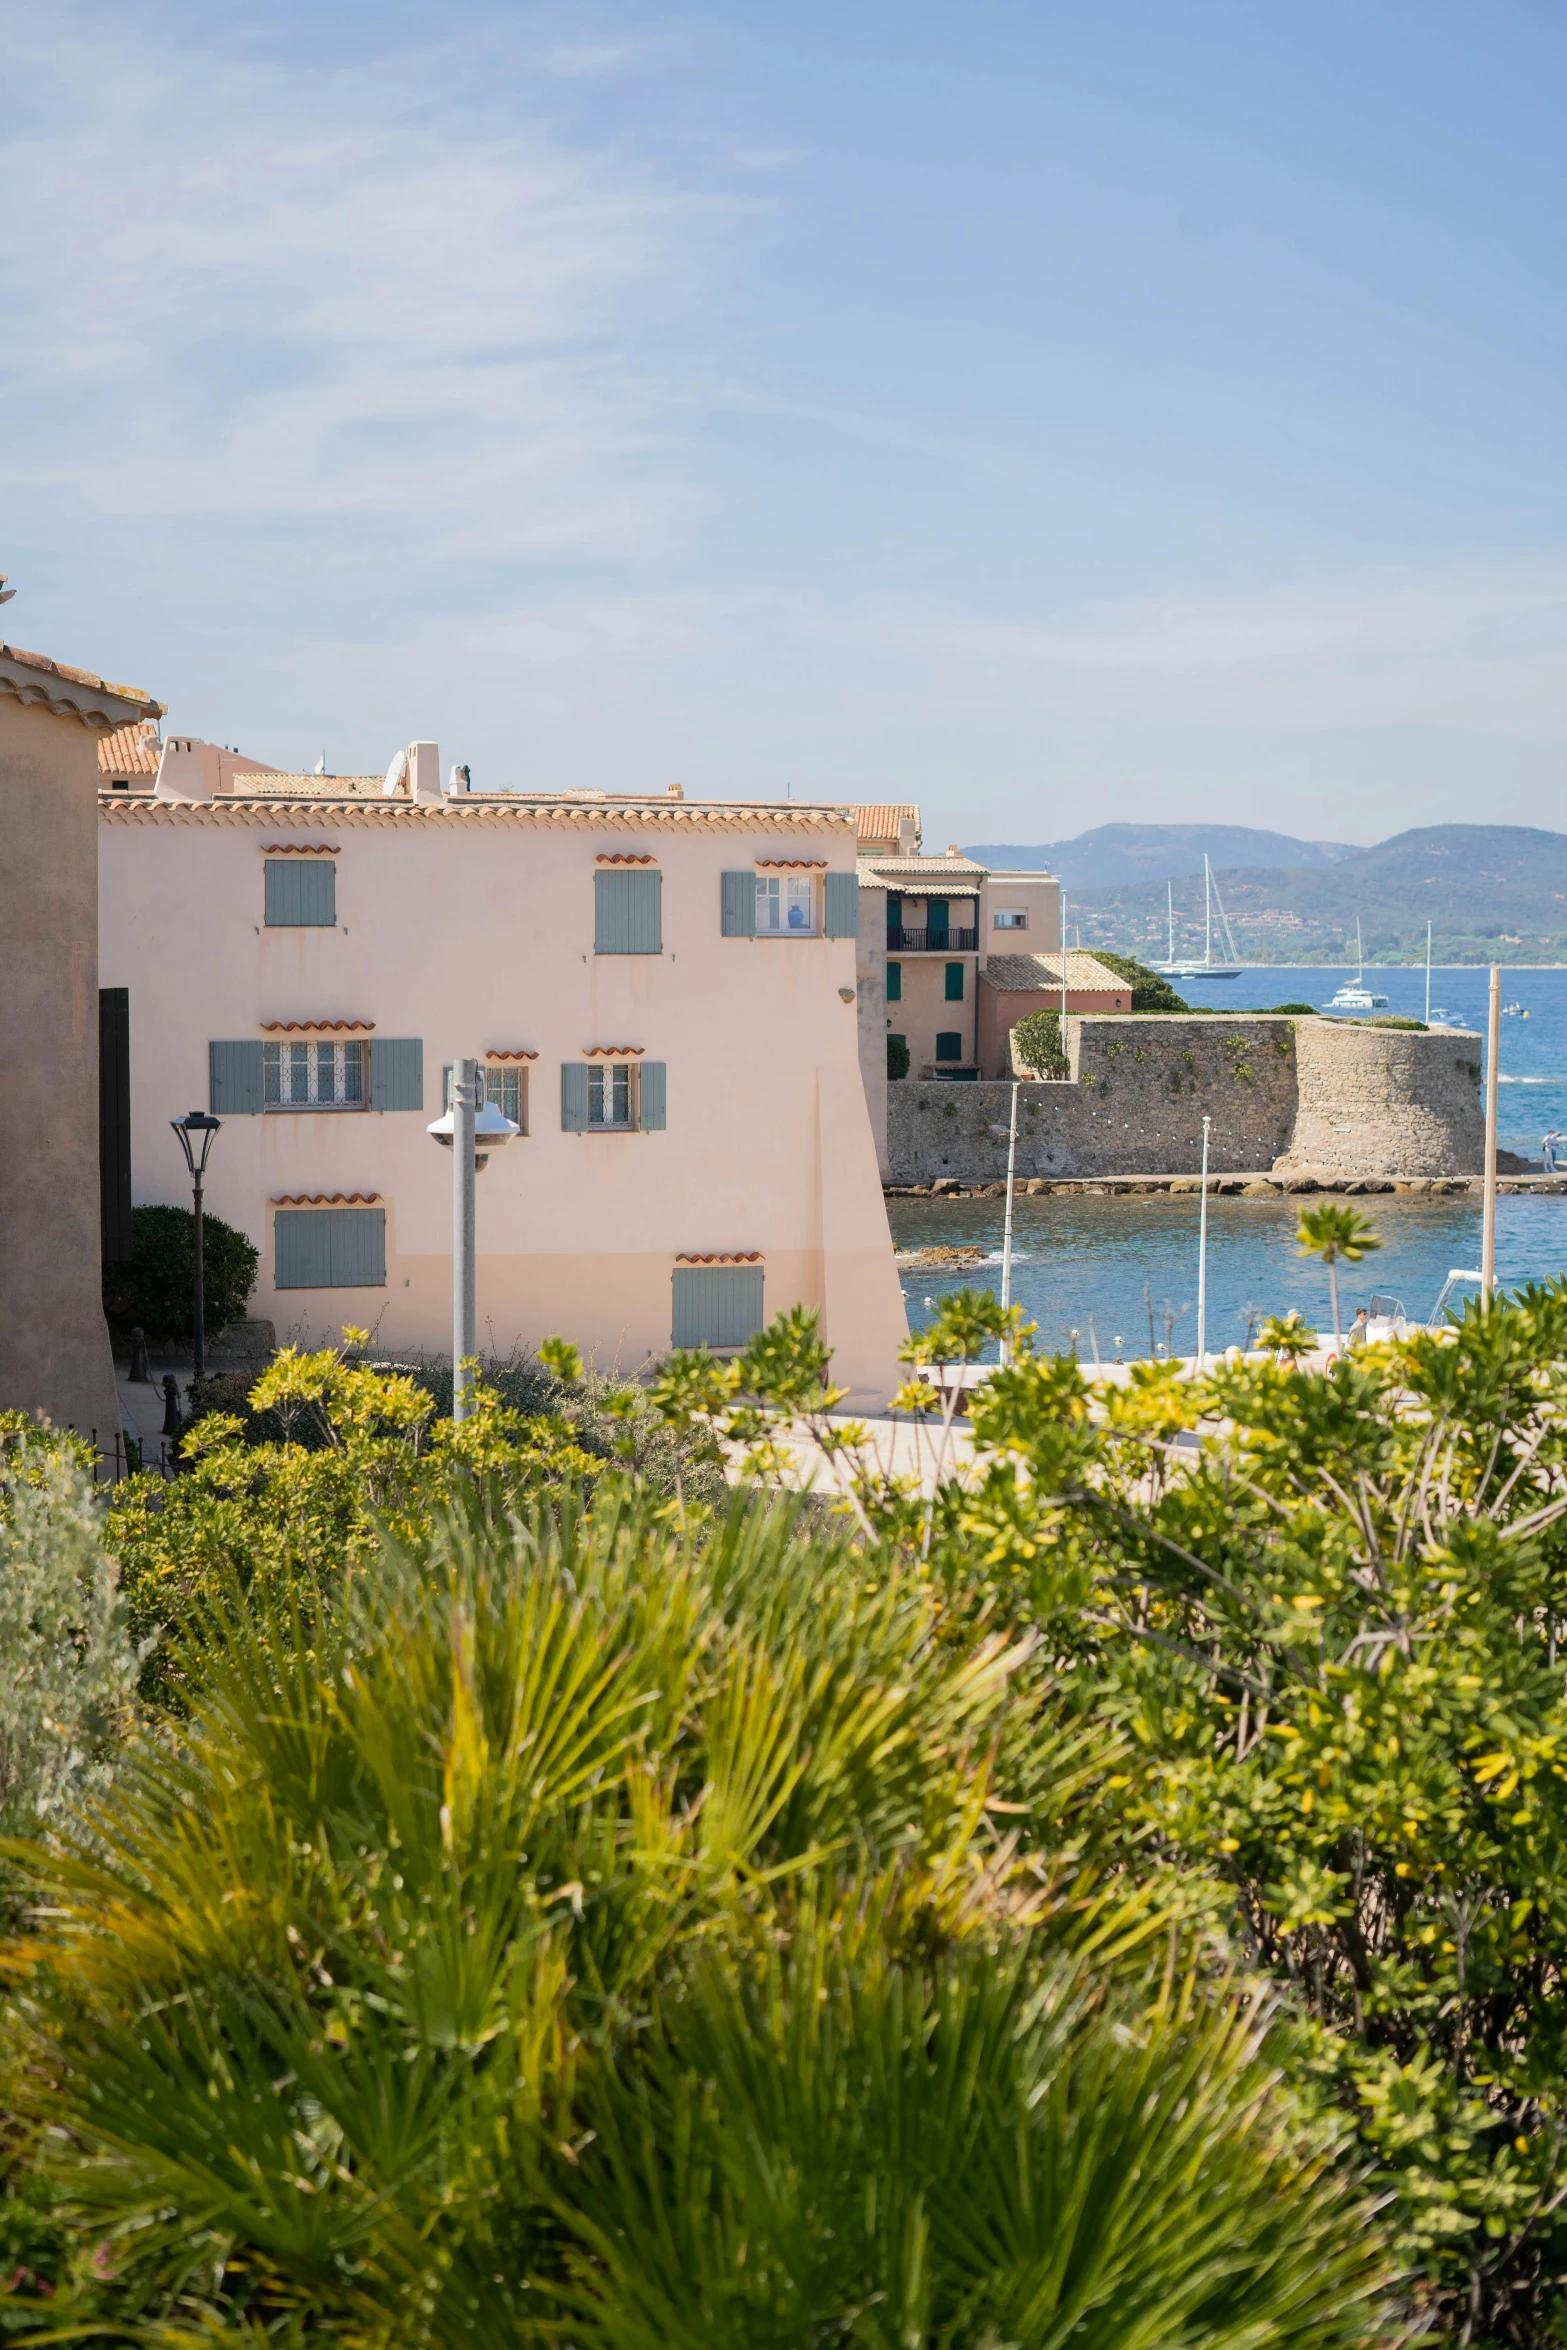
[[1053, 414]]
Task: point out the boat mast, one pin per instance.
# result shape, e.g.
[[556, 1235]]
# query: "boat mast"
[[1360, 956], [1169, 891], [1428, 974], [1207, 912]]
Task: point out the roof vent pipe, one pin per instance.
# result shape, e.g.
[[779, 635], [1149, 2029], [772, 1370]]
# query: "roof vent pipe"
[[459, 780]]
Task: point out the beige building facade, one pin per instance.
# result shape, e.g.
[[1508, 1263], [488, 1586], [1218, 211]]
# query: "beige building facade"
[[664, 996], [54, 1345]]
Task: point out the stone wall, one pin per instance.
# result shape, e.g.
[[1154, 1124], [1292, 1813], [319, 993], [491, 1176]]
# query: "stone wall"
[[1134, 1103], [1387, 1101], [1296, 1094]]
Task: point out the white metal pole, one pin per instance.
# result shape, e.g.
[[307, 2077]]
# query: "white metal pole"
[[1493, 1056], [1428, 974], [1202, 1259], [1006, 1238], [465, 1079], [1207, 916]]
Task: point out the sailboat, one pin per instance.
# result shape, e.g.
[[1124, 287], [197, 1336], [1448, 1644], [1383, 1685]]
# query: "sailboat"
[[1354, 995], [1189, 967]]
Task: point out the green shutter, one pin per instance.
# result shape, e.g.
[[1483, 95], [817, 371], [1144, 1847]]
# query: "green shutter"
[[738, 901], [397, 1073], [651, 1095], [894, 983], [628, 910], [716, 1305], [329, 1248], [954, 983], [843, 905], [234, 1079], [949, 1045], [300, 895], [574, 1097]]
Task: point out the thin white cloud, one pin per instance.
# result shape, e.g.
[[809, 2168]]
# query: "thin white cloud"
[[1373, 645], [283, 316]]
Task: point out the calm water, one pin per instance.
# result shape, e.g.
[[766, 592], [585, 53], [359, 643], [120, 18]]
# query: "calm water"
[[1073, 1258], [1534, 1051]]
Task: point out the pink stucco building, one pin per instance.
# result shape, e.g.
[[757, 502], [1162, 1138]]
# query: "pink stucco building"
[[663, 992]]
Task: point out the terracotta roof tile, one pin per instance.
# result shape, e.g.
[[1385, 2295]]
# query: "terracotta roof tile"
[[880, 822], [74, 686], [1084, 974], [131, 750]]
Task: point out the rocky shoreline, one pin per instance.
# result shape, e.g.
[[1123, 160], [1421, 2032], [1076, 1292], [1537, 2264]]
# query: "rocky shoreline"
[[1257, 1186]]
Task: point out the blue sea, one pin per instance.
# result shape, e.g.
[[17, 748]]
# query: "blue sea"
[[1105, 1265]]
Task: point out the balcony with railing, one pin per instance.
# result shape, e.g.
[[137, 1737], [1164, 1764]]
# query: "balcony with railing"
[[931, 942]]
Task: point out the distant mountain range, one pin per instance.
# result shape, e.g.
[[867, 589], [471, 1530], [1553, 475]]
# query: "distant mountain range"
[[1114, 854], [1491, 892]]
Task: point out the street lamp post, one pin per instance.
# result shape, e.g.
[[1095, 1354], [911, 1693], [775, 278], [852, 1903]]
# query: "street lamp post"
[[470, 1129], [197, 1131]]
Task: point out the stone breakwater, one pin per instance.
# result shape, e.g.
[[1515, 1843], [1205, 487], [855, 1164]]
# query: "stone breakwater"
[[1325, 1101]]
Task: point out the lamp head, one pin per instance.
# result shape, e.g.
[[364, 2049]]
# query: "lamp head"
[[196, 1131], [492, 1130]]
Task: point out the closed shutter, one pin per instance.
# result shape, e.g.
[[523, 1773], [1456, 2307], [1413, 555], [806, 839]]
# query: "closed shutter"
[[628, 910], [234, 1078], [894, 983], [651, 1095], [329, 1248], [843, 905], [397, 1073], [954, 983], [949, 1045], [574, 1097], [300, 895], [114, 1123], [738, 902], [716, 1305]]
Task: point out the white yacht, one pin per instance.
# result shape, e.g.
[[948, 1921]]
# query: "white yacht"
[[1188, 967], [1354, 995]]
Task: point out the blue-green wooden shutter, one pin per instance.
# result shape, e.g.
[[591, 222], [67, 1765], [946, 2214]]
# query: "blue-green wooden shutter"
[[397, 1073], [234, 1078], [954, 983], [329, 1248], [300, 895], [843, 905], [894, 983], [716, 1305], [949, 1045], [651, 1091], [629, 917], [738, 901], [574, 1097]]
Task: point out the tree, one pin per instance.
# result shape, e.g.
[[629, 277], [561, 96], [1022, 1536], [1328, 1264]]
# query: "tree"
[[1036, 1044], [897, 1057], [155, 1289], [1151, 991], [1332, 1232]]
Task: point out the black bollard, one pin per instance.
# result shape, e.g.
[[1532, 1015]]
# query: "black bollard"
[[171, 1404], [140, 1374]]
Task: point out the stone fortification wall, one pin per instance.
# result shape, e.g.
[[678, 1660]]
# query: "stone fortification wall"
[[1135, 1102], [1387, 1101], [1295, 1095]]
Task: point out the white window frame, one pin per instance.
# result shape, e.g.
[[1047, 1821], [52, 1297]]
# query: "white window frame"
[[342, 1067], [1009, 918], [503, 1078], [788, 893], [611, 1078]]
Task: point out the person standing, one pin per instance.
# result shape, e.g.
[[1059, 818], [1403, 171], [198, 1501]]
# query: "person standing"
[[1550, 1144]]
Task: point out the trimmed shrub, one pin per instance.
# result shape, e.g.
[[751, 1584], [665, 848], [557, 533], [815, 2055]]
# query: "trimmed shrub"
[[154, 1288]]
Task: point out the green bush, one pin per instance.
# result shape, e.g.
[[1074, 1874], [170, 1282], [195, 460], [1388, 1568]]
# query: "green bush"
[[154, 1289], [1036, 1044], [1151, 992], [897, 1056]]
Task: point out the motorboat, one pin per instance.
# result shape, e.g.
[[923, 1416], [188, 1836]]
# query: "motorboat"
[[1188, 967], [1386, 1318], [1354, 995], [1458, 1274], [1514, 1012], [1442, 1019]]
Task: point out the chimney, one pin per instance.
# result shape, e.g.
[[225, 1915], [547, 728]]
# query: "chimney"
[[189, 769], [424, 773], [676, 791], [908, 836], [459, 780]]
